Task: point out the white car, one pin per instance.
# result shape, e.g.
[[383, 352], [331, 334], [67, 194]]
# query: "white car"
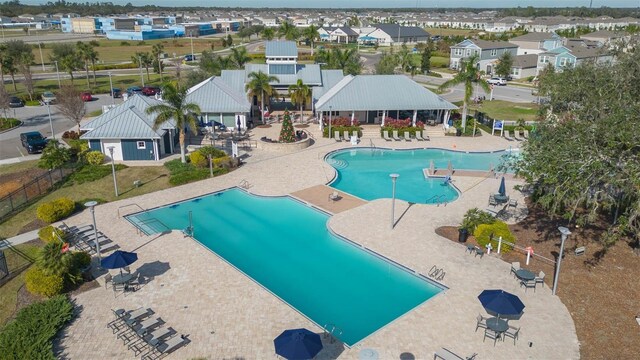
[[500, 81]]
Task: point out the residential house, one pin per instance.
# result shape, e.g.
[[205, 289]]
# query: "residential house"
[[219, 102], [536, 42], [572, 56], [342, 34], [393, 34], [130, 132], [606, 37], [524, 66], [488, 52]]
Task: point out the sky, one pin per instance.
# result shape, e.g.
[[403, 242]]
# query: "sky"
[[369, 3]]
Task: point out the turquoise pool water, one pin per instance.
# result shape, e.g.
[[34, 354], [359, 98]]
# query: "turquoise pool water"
[[285, 246], [364, 172]]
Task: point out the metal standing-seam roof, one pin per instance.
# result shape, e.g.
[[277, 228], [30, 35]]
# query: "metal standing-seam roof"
[[215, 96], [281, 49], [309, 74], [380, 92], [329, 79], [128, 120], [235, 79]]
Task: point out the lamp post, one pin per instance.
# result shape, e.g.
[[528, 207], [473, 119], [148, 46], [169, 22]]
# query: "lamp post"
[[53, 135], [191, 36], [58, 74], [329, 122], [394, 177], [140, 66], [565, 234], [113, 169], [113, 100], [91, 205]]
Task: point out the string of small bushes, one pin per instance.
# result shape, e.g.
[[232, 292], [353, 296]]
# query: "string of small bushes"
[[341, 124], [401, 126]]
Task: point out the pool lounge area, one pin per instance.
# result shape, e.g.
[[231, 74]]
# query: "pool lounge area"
[[228, 315]]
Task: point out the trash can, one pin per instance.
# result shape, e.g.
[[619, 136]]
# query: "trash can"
[[458, 132], [463, 234]]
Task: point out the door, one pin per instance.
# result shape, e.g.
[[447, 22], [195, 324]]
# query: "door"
[[117, 148]]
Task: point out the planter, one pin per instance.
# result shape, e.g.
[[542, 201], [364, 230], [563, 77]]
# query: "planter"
[[284, 147]]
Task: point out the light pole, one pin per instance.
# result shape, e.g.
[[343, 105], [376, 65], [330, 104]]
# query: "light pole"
[[191, 36], [53, 135], [58, 74], [140, 65], [565, 234], [394, 177], [113, 169], [329, 122], [41, 58], [91, 205], [113, 100]]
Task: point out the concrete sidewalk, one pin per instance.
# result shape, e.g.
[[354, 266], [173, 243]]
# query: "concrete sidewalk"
[[19, 239]]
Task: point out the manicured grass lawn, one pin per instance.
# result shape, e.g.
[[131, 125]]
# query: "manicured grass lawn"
[[8, 123], [9, 291], [13, 168], [438, 62], [113, 51], [153, 178], [505, 110]]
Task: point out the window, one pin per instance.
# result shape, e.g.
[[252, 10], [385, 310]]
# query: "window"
[[494, 52], [141, 145], [477, 52], [515, 71], [282, 69], [563, 61], [468, 52], [457, 52]]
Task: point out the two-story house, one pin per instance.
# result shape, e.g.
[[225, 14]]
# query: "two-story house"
[[488, 53], [536, 43], [571, 56]]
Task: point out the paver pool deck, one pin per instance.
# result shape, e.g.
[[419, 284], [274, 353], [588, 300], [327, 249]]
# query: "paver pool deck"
[[227, 315]]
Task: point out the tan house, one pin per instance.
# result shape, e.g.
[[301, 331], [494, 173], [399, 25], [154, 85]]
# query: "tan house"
[[83, 25], [536, 42]]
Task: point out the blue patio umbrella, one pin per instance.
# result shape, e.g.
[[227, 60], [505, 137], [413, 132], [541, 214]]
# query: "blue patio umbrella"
[[502, 190], [238, 123], [118, 260], [501, 302], [367, 38], [298, 344]]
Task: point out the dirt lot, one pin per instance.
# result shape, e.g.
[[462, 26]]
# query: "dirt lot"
[[13, 181], [600, 289]]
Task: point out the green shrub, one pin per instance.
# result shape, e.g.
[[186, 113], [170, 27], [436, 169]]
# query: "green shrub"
[[54, 156], [39, 283], [31, 334], [32, 103], [222, 162], [486, 233], [52, 260], [124, 43], [198, 160], [341, 129], [55, 210], [210, 150], [116, 66], [95, 157], [81, 259], [46, 234], [176, 166], [475, 217], [194, 175]]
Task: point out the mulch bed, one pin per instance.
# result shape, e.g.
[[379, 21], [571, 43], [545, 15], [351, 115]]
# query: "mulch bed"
[[264, 126], [36, 224], [301, 126], [600, 289]]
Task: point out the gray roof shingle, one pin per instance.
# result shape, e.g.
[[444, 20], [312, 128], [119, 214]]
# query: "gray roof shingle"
[[380, 92], [392, 30], [214, 95], [281, 48]]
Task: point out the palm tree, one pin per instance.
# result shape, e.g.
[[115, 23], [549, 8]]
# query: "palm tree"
[[268, 33], [468, 74], [259, 85], [347, 60], [157, 50], [299, 93], [83, 50], [70, 63], [311, 34], [288, 31], [146, 60], [239, 57], [176, 108], [4, 57]]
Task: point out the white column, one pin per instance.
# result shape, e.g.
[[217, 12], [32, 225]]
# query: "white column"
[[171, 140], [321, 119], [353, 115], [221, 119], [155, 150], [384, 115], [447, 113], [415, 116]]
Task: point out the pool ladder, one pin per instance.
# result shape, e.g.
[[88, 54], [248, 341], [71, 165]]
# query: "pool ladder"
[[436, 273], [331, 330], [245, 184], [437, 199]]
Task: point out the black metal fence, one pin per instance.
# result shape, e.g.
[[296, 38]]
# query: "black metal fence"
[[19, 198], [4, 269]]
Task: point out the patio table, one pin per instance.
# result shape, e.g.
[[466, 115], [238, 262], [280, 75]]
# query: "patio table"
[[122, 278], [524, 274], [501, 198], [497, 325]]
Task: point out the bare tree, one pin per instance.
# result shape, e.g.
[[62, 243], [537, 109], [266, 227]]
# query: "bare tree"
[[70, 104]]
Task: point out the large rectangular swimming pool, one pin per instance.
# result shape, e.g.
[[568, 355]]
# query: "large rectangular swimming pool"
[[285, 246]]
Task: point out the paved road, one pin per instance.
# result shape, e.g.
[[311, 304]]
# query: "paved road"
[[510, 93], [37, 119], [35, 38]]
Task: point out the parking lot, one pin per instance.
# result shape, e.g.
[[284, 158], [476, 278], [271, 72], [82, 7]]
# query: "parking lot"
[[36, 118]]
